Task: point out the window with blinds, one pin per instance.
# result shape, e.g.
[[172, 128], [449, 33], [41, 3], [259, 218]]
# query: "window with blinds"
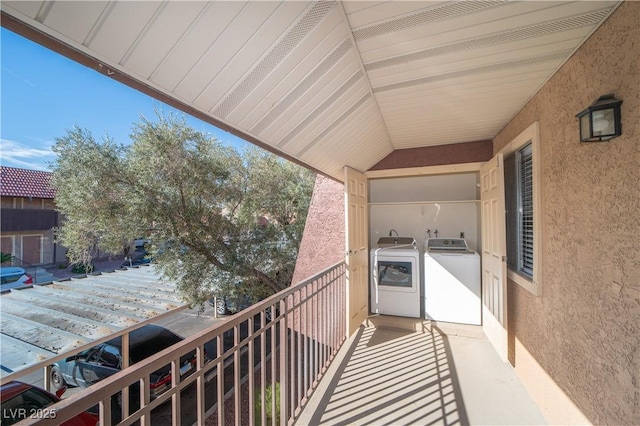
[[519, 206], [525, 222]]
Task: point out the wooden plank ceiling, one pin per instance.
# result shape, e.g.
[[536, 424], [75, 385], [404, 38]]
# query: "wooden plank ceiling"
[[326, 83]]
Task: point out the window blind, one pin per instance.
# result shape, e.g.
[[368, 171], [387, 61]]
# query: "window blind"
[[526, 212]]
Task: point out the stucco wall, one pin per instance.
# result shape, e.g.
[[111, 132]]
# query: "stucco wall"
[[584, 329], [323, 240]]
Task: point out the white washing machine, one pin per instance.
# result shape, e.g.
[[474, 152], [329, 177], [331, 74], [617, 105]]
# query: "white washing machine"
[[452, 282], [395, 277]]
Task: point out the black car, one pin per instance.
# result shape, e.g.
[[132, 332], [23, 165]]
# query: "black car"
[[101, 361]]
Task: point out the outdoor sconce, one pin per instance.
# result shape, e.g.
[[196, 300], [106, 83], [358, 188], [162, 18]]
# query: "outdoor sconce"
[[601, 120]]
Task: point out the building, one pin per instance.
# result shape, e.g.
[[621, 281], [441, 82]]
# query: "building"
[[28, 217], [363, 92]]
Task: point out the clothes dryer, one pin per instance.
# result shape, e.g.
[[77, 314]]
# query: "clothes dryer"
[[395, 280]]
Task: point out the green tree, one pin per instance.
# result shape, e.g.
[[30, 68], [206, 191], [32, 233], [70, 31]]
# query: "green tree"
[[218, 220]]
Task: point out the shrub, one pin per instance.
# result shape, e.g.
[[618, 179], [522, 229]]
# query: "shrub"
[[83, 268], [5, 257], [268, 401]]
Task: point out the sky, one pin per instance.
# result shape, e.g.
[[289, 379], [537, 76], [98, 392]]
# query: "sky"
[[43, 94]]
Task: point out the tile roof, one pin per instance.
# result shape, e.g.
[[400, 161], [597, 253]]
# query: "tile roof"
[[16, 182]]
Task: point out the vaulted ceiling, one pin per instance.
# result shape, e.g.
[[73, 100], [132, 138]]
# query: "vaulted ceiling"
[[325, 83]]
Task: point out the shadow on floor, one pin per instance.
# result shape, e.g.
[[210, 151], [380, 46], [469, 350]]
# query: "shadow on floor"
[[394, 377]]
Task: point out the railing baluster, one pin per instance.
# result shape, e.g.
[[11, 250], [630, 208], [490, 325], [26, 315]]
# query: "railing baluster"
[[336, 311], [104, 410], [325, 324], [176, 407], [331, 312], [307, 363], [145, 398], [263, 369], [200, 390], [316, 340], [284, 367], [251, 360], [291, 364], [274, 370], [342, 316], [300, 371], [220, 380], [124, 406], [236, 374]]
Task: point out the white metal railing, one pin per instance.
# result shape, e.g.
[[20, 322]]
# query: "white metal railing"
[[279, 346]]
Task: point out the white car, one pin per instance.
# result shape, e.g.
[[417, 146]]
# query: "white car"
[[13, 276]]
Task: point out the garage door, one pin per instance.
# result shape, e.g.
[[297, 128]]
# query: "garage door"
[[32, 249]]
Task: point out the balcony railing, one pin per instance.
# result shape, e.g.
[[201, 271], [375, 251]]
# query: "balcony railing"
[[258, 367]]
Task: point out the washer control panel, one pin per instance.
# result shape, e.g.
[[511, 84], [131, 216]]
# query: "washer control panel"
[[454, 244]]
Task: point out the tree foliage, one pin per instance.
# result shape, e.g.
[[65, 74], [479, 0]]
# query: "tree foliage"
[[218, 221]]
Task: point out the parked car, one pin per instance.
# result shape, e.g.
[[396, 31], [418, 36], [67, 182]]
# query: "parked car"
[[229, 305], [13, 276], [136, 259], [139, 243], [21, 401], [103, 360]]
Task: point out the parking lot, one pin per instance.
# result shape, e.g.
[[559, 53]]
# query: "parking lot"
[[56, 318], [184, 323], [189, 321]]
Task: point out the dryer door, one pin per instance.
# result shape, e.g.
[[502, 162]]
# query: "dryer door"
[[395, 275], [395, 286]]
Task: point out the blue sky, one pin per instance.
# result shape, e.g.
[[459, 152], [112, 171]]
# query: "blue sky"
[[43, 94]]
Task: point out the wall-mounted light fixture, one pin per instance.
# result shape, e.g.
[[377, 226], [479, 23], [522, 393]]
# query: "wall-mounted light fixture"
[[601, 120]]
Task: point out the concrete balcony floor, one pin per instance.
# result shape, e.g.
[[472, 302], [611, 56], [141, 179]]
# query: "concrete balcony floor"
[[438, 375]]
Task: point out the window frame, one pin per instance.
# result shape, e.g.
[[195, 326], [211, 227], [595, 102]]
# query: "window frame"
[[530, 136]]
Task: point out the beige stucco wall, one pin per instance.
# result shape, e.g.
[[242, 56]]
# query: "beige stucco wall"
[[584, 329], [323, 240]]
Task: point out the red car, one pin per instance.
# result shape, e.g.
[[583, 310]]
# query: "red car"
[[21, 401]]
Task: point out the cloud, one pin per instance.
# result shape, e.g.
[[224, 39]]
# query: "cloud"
[[17, 154], [19, 77]]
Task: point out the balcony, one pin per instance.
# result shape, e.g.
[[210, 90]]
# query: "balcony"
[[18, 220], [288, 343], [435, 375]]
